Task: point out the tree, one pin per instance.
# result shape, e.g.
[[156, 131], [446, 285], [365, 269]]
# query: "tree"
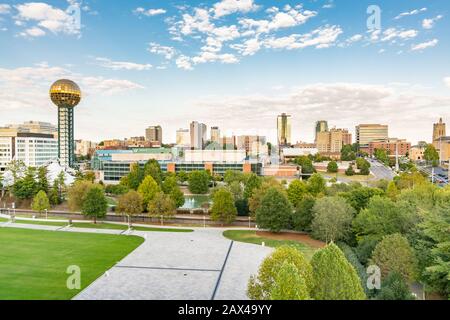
[[289, 284], [436, 236], [303, 215], [392, 192], [306, 164], [223, 208], [231, 176], [235, 188], [42, 181], [430, 154], [332, 219], [182, 176], [76, 194], [394, 253], [316, 184], [332, 167], [394, 287], [296, 191], [94, 203], [253, 182], [350, 171], [40, 202], [261, 286], [135, 177], [199, 182], [153, 169], [130, 203], [170, 187], [161, 205], [26, 188], [334, 277], [148, 190], [275, 211], [242, 207], [382, 156], [352, 258], [347, 153], [259, 193], [359, 197], [383, 217], [364, 168]]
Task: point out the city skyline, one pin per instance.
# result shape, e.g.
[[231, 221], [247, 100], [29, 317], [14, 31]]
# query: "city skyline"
[[304, 60]]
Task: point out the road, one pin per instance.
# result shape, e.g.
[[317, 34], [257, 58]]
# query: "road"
[[440, 175], [380, 171]]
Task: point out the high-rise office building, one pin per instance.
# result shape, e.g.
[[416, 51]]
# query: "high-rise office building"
[[154, 135], [215, 134], [321, 126], [183, 137], [367, 133], [198, 135], [284, 129]]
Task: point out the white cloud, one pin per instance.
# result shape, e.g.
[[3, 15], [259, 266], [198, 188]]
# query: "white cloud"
[[47, 17], [149, 12], [27, 87], [226, 7], [206, 56], [165, 51], [392, 34], [410, 13], [248, 47], [184, 62], [323, 37], [429, 23], [4, 8], [447, 81], [122, 65], [425, 45], [33, 32]]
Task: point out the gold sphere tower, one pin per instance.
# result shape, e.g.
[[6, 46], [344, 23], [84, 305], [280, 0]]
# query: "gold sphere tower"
[[65, 94]]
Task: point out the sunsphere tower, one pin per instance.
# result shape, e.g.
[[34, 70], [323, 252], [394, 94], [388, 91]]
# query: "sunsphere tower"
[[65, 94]]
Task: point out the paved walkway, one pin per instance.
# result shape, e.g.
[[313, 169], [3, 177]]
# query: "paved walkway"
[[185, 266]]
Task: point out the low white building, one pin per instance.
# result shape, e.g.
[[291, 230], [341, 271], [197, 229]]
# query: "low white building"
[[34, 149], [232, 156], [292, 153]]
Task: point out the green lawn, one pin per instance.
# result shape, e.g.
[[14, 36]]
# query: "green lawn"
[[33, 263], [3, 220], [249, 236], [100, 225]]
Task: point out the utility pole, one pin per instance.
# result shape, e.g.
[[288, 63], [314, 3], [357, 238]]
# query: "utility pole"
[[397, 166]]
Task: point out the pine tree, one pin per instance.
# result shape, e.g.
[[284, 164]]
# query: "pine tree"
[[289, 284], [334, 277]]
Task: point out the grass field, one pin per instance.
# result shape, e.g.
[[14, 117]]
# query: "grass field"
[[249, 236], [33, 263], [98, 226]]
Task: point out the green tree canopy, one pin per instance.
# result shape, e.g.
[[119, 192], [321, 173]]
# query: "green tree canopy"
[[258, 193], [334, 277], [130, 203], [430, 154], [275, 211], [199, 182], [350, 171], [392, 191], [394, 287], [253, 182], [296, 191], [76, 194], [261, 286], [95, 204], [135, 177], [359, 197], [42, 180], [40, 202], [317, 184], [26, 187], [223, 208], [394, 253], [303, 215], [148, 189], [332, 167], [153, 169], [347, 153], [170, 187], [332, 219], [289, 284], [161, 205]]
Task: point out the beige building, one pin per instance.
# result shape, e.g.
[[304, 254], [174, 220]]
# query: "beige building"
[[253, 145], [183, 137], [367, 133], [215, 134], [154, 135], [440, 141], [84, 147], [330, 142]]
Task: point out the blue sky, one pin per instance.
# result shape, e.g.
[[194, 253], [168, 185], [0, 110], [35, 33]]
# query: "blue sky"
[[231, 63]]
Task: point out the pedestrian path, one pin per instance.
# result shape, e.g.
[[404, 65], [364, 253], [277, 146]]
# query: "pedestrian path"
[[182, 266]]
